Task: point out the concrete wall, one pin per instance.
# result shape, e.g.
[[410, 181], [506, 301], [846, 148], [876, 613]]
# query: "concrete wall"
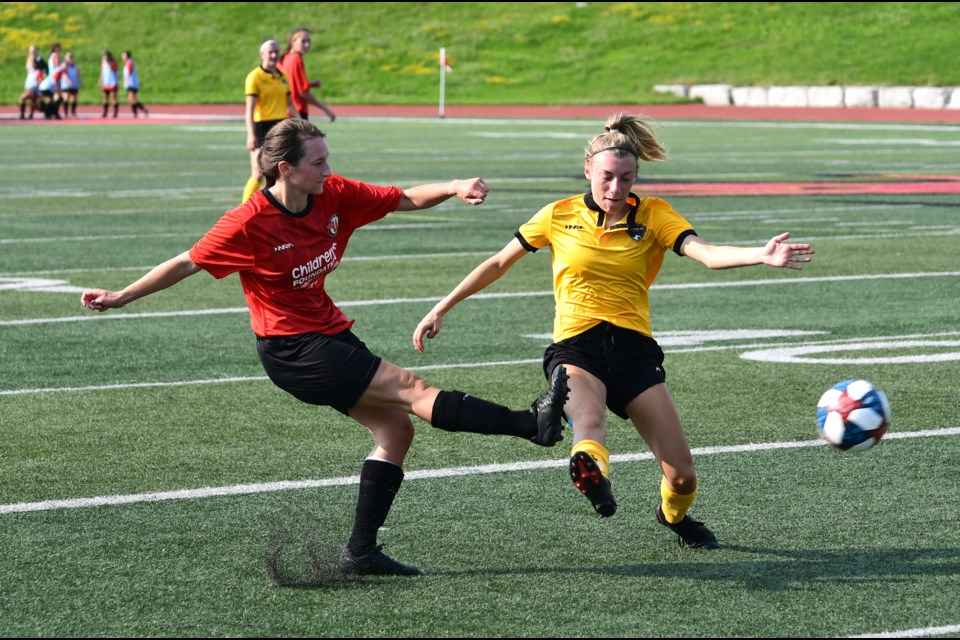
[[831, 96]]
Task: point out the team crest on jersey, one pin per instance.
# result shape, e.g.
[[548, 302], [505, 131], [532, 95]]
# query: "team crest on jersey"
[[333, 225], [637, 231]]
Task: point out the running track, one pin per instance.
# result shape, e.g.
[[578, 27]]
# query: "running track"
[[9, 114]]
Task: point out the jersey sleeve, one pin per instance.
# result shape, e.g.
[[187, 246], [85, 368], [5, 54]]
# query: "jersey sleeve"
[[250, 85], [224, 249], [668, 226], [365, 203], [535, 233]]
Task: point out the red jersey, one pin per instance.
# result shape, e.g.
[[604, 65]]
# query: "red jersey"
[[283, 258], [292, 67]]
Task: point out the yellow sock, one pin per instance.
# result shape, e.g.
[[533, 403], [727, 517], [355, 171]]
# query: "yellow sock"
[[252, 185], [596, 451], [675, 505]]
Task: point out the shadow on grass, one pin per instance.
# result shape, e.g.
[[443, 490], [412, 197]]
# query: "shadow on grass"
[[778, 570]]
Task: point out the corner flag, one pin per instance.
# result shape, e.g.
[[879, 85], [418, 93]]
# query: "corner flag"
[[445, 68]]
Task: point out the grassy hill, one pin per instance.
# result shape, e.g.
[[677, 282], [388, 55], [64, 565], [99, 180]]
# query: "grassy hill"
[[509, 53]]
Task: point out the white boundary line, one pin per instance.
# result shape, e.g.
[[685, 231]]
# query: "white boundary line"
[[483, 296], [669, 349], [245, 489], [921, 632]]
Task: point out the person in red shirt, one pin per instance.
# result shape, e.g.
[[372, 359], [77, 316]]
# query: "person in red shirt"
[[292, 66], [284, 242]]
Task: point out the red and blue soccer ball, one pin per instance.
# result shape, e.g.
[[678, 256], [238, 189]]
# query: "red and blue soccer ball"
[[853, 415]]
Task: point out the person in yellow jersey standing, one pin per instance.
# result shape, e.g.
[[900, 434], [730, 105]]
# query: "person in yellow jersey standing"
[[607, 247], [268, 103]]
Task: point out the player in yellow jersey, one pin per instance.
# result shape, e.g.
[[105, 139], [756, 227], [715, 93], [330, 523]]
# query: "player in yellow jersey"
[[268, 102], [607, 246]]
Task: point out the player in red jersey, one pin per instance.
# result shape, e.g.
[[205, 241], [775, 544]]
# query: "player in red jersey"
[[291, 63], [283, 242]]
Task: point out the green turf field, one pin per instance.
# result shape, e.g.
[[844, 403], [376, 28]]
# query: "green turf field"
[[147, 466]]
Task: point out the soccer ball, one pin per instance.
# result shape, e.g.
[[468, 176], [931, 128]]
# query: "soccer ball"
[[853, 415]]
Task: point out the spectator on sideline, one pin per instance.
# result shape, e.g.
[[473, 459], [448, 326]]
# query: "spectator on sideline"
[[49, 89], [70, 84], [36, 72], [108, 83], [267, 104], [607, 246], [304, 340], [55, 67], [131, 82], [292, 65]]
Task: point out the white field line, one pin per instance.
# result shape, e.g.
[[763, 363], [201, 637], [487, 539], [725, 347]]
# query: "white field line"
[[267, 487], [401, 256], [483, 296], [921, 232], [590, 123], [464, 365], [488, 206], [922, 632], [184, 383]]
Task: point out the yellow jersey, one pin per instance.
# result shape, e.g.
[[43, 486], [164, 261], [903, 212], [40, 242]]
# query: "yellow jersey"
[[271, 92], [604, 274]]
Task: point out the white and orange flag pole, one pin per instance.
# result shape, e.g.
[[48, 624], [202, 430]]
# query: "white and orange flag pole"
[[445, 68]]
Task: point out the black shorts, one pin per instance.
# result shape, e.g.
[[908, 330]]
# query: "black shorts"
[[627, 362], [261, 129], [332, 371]]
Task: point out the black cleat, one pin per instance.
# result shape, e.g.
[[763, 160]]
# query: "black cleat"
[[374, 563], [690, 533], [587, 477], [548, 409]]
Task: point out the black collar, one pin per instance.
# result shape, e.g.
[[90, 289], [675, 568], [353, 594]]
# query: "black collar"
[[282, 209], [631, 217]]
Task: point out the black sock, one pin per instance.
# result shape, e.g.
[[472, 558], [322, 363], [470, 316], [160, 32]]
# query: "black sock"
[[116, 110], [105, 107], [379, 483], [457, 411], [23, 109]]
